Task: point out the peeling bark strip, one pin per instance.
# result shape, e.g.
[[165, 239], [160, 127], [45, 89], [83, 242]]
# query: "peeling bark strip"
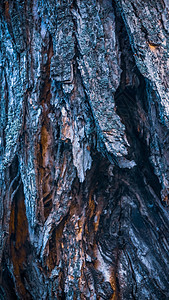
[[84, 149]]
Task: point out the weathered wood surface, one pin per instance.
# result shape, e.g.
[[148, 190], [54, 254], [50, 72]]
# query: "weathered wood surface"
[[84, 149]]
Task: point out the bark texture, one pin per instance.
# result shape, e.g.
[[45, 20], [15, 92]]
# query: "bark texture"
[[84, 149]]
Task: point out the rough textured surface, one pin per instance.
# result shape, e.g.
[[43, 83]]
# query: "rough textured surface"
[[84, 155]]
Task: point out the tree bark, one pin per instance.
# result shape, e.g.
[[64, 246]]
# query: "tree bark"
[[84, 156]]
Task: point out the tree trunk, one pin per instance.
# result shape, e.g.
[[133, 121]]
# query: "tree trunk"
[[84, 149]]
